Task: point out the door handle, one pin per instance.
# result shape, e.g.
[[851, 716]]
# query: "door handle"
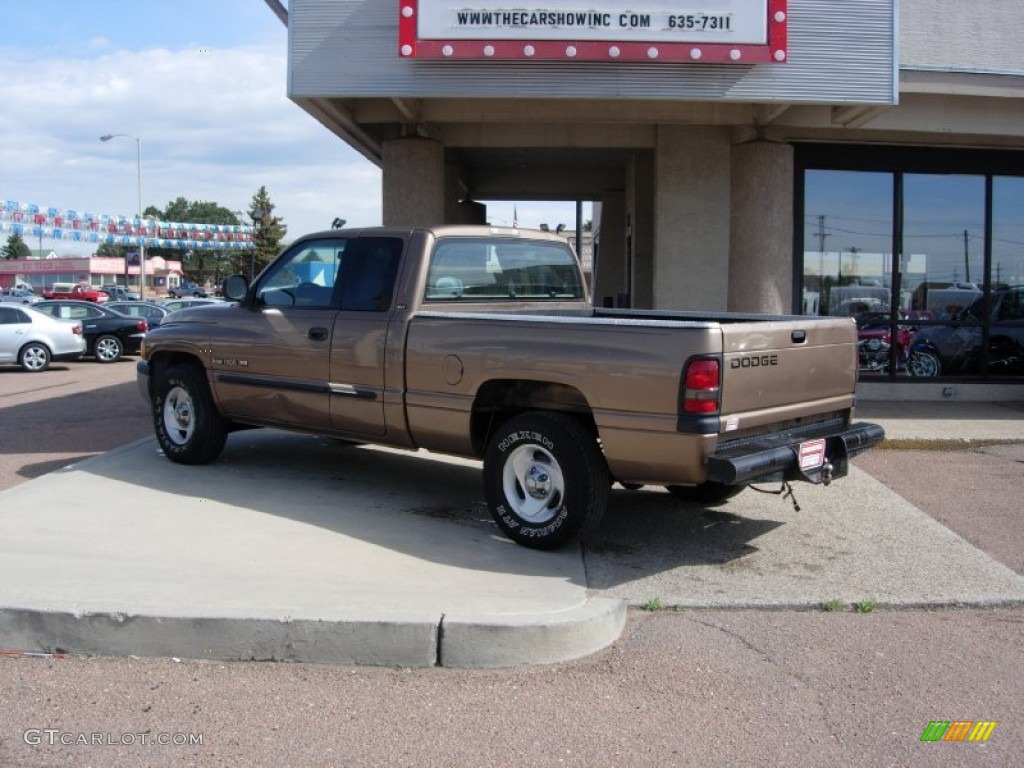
[[318, 334]]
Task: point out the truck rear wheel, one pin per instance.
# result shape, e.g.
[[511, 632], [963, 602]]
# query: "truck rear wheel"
[[705, 493], [545, 479], [187, 424]]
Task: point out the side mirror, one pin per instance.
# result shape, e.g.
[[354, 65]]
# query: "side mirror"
[[235, 287]]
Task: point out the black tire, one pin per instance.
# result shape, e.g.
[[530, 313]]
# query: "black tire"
[[545, 479], [188, 426], [107, 349], [34, 357], [706, 493]]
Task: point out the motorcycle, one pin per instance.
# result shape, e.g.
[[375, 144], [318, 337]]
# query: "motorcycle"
[[874, 347]]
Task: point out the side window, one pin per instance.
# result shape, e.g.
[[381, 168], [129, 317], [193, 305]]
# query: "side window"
[[305, 276], [75, 312], [368, 276], [11, 316]]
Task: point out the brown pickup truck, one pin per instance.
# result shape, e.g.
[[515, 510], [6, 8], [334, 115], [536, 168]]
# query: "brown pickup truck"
[[482, 342]]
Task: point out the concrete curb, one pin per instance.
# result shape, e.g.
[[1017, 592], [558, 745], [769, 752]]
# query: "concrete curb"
[[403, 641], [501, 642]]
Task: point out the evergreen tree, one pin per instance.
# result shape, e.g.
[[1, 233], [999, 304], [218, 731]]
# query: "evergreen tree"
[[15, 248], [269, 233]]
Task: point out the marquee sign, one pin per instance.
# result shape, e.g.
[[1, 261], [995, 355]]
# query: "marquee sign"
[[715, 31]]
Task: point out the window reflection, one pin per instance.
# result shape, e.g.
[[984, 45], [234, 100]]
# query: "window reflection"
[[847, 242], [1007, 232], [943, 243], [958, 301]]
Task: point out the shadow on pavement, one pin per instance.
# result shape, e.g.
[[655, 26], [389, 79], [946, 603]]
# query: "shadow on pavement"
[[424, 505], [649, 531]]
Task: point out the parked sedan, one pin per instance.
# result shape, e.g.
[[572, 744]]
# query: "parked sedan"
[[108, 333], [33, 339], [19, 296], [154, 313]]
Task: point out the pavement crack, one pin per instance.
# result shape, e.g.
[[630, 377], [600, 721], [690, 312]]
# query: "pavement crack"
[[756, 649], [826, 714]]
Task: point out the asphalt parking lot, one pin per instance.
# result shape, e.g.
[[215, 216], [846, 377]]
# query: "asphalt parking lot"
[[689, 684]]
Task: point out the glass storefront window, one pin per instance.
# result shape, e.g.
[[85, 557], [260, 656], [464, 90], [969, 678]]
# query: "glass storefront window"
[[943, 261], [925, 250], [847, 242]]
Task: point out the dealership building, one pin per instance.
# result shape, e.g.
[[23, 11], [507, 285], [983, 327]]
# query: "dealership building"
[[784, 156]]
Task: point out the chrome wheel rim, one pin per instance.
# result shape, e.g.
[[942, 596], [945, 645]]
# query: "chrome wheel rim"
[[108, 349], [34, 358], [533, 483], [179, 416]]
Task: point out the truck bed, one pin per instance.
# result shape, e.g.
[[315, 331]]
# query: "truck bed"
[[779, 373]]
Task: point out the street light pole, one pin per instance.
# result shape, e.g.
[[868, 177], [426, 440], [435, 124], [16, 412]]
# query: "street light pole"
[[138, 180]]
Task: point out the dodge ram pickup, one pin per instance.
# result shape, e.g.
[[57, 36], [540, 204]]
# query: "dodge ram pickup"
[[482, 342]]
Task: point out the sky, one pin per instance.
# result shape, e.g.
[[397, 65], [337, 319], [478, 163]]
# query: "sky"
[[202, 85]]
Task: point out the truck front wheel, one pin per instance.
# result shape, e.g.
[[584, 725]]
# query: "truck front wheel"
[[545, 479], [185, 419]]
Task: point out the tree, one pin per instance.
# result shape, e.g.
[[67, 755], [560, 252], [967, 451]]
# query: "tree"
[[15, 248], [269, 232], [111, 250]]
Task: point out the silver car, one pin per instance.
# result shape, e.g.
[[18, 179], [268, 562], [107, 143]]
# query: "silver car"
[[19, 296], [33, 340]]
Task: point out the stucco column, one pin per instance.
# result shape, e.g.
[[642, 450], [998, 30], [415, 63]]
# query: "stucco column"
[[640, 231], [413, 183], [610, 276], [761, 228], [691, 219]]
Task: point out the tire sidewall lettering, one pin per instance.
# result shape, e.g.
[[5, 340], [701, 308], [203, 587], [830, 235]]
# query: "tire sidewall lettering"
[[166, 444], [512, 439], [528, 530]]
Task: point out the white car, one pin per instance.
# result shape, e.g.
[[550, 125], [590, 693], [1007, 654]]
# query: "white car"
[[33, 340], [19, 296]]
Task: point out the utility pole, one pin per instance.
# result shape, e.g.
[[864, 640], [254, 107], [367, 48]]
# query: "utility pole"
[[821, 255], [967, 260], [821, 233]]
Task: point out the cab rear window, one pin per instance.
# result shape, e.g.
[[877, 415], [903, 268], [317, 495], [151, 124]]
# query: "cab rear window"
[[485, 269]]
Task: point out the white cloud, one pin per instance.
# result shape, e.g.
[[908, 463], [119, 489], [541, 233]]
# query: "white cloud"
[[215, 125]]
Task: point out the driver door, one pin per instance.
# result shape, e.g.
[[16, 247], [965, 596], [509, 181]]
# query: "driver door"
[[272, 363]]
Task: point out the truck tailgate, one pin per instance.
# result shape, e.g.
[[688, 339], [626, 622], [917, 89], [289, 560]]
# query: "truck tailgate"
[[773, 364]]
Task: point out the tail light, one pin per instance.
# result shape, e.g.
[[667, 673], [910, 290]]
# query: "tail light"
[[142, 325], [702, 386], [76, 329]]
